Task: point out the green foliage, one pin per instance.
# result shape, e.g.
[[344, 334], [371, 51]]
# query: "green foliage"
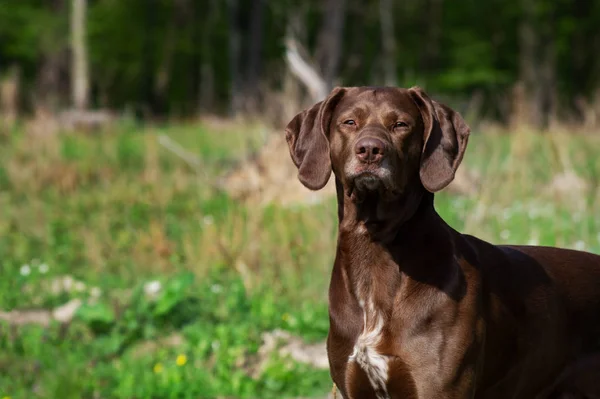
[[179, 281], [160, 55], [98, 316], [30, 28], [214, 356], [100, 241]]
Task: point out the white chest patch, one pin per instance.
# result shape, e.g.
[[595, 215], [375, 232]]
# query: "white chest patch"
[[374, 364]]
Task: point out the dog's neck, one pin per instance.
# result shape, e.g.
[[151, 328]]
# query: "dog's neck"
[[384, 220], [407, 234]]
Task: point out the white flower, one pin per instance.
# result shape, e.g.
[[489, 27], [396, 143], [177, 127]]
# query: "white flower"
[[579, 245], [505, 234], [95, 292], [216, 288], [43, 268], [151, 288], [25, 270], [68, 283], [208, 220], [79, 286], [533, 241], [215, 345]]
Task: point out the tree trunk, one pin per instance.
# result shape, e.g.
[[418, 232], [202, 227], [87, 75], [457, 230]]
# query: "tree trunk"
[[329, 49], [163, 73], [235, 89], [149, 101], [388, 40], [79, 68], [207, 13], [51, 65], [255, 45], [431, 50], [48, 82], [547, 73], [530, 109], [537, 56]]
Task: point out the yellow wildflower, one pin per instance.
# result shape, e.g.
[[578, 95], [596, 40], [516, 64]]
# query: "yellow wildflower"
[[158, 368], [286, 317], [181, 360]]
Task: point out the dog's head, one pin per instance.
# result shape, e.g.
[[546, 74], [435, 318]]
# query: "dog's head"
[[378, 140]]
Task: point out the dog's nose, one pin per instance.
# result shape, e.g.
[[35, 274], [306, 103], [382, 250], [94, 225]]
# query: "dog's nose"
[[369, 149]]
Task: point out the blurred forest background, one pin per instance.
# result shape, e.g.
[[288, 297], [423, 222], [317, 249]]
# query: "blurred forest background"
[[154, 239], [534, 60]]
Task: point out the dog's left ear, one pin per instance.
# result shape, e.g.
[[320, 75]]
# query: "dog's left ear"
[[307, 138], [445, 139]]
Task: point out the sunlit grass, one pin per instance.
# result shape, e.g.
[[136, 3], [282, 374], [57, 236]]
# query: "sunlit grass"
[[115, 211]]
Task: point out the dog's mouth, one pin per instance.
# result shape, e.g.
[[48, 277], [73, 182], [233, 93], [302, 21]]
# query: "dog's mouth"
[[369, 183]]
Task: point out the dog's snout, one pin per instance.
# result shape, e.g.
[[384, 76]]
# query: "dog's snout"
[[369, 149]]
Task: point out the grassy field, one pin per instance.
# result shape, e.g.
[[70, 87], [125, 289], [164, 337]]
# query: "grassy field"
[[178, 281]]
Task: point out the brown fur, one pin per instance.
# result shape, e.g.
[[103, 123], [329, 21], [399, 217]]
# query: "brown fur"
[[451, 316]]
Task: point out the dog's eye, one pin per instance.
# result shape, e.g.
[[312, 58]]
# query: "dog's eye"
[[400, 124], [349, 122]]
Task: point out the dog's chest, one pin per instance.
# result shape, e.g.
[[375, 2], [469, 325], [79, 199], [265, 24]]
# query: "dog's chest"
[[365, 353]]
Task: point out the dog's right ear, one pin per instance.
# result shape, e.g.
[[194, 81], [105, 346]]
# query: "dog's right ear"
[[307, 138]]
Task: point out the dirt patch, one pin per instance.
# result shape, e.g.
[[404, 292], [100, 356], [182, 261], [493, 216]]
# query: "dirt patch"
[[285, 344], [271, 177]]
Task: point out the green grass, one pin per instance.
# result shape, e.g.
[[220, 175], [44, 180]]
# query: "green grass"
[[116, 211]]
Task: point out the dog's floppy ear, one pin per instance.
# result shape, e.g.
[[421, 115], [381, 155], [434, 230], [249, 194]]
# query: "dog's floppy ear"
[[306, 136], [445, 139]]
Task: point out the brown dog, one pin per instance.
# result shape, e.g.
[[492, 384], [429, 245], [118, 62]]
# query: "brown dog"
[[418, 310]]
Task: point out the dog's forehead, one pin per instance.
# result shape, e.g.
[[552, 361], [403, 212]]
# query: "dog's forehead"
[[379, 98]]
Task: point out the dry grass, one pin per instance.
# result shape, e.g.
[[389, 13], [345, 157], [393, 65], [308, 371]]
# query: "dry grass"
[[120, 209], [109, 180]]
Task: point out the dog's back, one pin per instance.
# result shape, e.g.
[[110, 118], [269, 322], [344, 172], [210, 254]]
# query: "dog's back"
[[576, 273], [576, 276], [542, 306]]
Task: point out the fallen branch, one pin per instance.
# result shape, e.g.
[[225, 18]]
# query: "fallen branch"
[[175, 148], [306, 73], [62, 314]]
